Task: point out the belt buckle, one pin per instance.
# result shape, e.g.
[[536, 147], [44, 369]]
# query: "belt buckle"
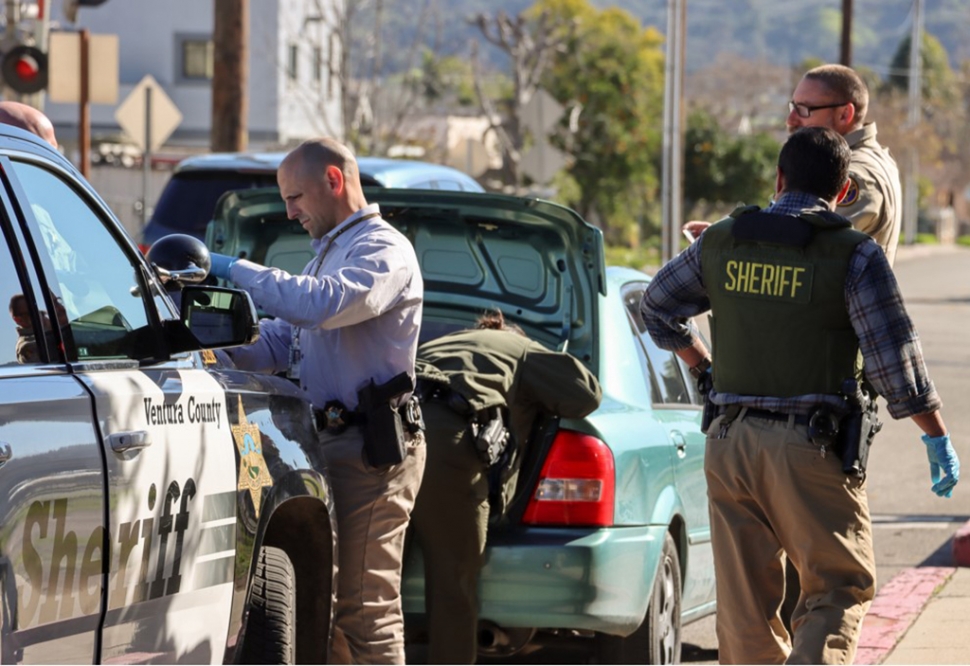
[[334, 417]]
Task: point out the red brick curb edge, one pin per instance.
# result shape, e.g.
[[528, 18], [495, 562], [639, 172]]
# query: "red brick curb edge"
[[894, 609], [961, 546]]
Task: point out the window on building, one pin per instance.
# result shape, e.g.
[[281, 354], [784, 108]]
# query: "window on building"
[[330, 54], [197, 58], [317, 64], [291, 62]]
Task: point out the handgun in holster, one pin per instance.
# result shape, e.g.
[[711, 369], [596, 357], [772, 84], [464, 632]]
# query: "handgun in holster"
[[858, 428], [489, 434], [385, 441]]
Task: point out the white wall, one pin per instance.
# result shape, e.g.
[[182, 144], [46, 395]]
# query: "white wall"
[[308, 107], [149, 33]]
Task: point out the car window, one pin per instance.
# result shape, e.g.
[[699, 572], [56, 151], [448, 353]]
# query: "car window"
[[18, 340], [189, 199], [670, 385], [449, 185], [97, 281]]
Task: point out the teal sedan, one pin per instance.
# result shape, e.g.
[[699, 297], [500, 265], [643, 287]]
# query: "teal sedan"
[[606, 539]]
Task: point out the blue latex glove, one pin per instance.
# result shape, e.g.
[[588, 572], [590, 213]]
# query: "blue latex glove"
[[221, 263], [942, 458]]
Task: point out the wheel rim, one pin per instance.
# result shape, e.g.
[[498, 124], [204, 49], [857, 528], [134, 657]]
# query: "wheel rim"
[[666, 607]]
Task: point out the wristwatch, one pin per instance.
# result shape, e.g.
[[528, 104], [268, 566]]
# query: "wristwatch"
[[702, 366]]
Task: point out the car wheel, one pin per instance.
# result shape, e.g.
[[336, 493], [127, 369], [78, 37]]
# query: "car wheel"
[[657, 639], [271, 627]]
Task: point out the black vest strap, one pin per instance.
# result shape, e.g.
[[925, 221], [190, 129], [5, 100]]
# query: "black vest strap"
[[760, 227]]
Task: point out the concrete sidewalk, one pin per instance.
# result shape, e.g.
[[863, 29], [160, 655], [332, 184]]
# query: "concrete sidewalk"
[[939, 633], [921, 615]]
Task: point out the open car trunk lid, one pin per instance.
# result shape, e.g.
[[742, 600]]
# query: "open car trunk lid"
[[540, 263]]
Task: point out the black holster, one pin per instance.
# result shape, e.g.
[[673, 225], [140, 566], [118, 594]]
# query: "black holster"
[[385, 441], [858, 429], [490, 435], [704, 384]]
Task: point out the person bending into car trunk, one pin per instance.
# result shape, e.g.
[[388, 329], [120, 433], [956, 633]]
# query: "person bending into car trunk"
[[473, 385], [346, 330], [795, 295]]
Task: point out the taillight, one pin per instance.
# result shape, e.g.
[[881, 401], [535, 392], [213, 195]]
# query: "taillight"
[[577, 484]]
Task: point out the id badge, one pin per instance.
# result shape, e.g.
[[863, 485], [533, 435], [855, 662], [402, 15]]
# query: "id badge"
[[293, 371]]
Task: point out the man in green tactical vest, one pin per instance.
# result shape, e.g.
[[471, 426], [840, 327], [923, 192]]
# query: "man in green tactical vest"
[[796, 297], [482, 390]]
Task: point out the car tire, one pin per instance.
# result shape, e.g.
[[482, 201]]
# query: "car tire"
[[657, 639], [271, 627]]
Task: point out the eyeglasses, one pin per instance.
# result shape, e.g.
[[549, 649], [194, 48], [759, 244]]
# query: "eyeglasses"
[[804, 110]]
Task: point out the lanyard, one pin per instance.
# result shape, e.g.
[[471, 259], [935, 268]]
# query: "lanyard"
[[326, 249], [295, 355]]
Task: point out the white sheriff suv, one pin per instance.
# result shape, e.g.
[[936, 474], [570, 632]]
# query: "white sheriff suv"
[[156, 504]]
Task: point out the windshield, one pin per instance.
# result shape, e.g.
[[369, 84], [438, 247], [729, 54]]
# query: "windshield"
[[189, 198]]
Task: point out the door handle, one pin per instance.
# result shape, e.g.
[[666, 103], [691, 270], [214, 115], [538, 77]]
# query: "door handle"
[[6, 453], [129, 441], [680, 442]]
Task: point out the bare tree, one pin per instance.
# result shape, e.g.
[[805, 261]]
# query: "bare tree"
[[373, 104], [530, 44]]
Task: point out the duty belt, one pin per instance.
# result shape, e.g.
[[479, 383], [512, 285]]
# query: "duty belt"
[[429, 391], [334, 418], [800, 419]]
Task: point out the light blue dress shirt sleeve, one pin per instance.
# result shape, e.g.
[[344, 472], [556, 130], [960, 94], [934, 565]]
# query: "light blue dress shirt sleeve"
[[269, 354]]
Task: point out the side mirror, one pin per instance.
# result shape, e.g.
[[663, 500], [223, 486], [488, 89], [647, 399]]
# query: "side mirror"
[[213, 318], [179, 260]]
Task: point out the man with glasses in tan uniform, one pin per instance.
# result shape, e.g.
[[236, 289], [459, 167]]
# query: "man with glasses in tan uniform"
[[834, 96]]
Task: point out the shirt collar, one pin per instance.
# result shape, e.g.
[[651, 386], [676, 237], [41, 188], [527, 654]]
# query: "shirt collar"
[[337, 232], [865, 133], [795, 203]]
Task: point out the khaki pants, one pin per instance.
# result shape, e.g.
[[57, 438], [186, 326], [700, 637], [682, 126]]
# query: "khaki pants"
[[772, 493], [372, 507], [450, 521]]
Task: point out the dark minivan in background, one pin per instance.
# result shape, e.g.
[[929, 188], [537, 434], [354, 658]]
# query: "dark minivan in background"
[[186, 203]]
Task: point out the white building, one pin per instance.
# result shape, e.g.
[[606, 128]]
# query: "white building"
[[293, 66]]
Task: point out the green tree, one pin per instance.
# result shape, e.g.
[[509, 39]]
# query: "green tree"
[[609, 77], [938, 82], [447, 78], [723, 169]]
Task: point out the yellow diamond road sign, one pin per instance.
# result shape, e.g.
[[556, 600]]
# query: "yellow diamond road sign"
[[165, 116]]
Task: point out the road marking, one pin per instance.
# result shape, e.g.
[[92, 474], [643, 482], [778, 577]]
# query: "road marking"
[[917, 521]]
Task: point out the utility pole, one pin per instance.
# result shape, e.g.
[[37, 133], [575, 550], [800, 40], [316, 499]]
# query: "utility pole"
[[672, 191], [230, 76], [911, 192], [845, 57], [10, 39]]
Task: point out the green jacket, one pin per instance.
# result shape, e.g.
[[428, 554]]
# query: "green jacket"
[[776, 284], [492, 368]]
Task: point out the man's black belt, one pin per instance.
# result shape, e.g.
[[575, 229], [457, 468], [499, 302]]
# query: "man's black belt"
[[334, 418], [429, 391], [800, 419]]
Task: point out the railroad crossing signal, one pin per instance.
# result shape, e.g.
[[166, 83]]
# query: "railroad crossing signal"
[[25, 69]]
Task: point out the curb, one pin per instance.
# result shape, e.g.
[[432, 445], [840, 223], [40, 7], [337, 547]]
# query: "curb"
[[896, 607], [961, 546]]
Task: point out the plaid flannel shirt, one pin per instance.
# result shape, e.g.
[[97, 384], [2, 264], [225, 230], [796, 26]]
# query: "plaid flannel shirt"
[[888, 340]]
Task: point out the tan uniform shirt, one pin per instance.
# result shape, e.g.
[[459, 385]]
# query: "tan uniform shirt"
[[874, 200]]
